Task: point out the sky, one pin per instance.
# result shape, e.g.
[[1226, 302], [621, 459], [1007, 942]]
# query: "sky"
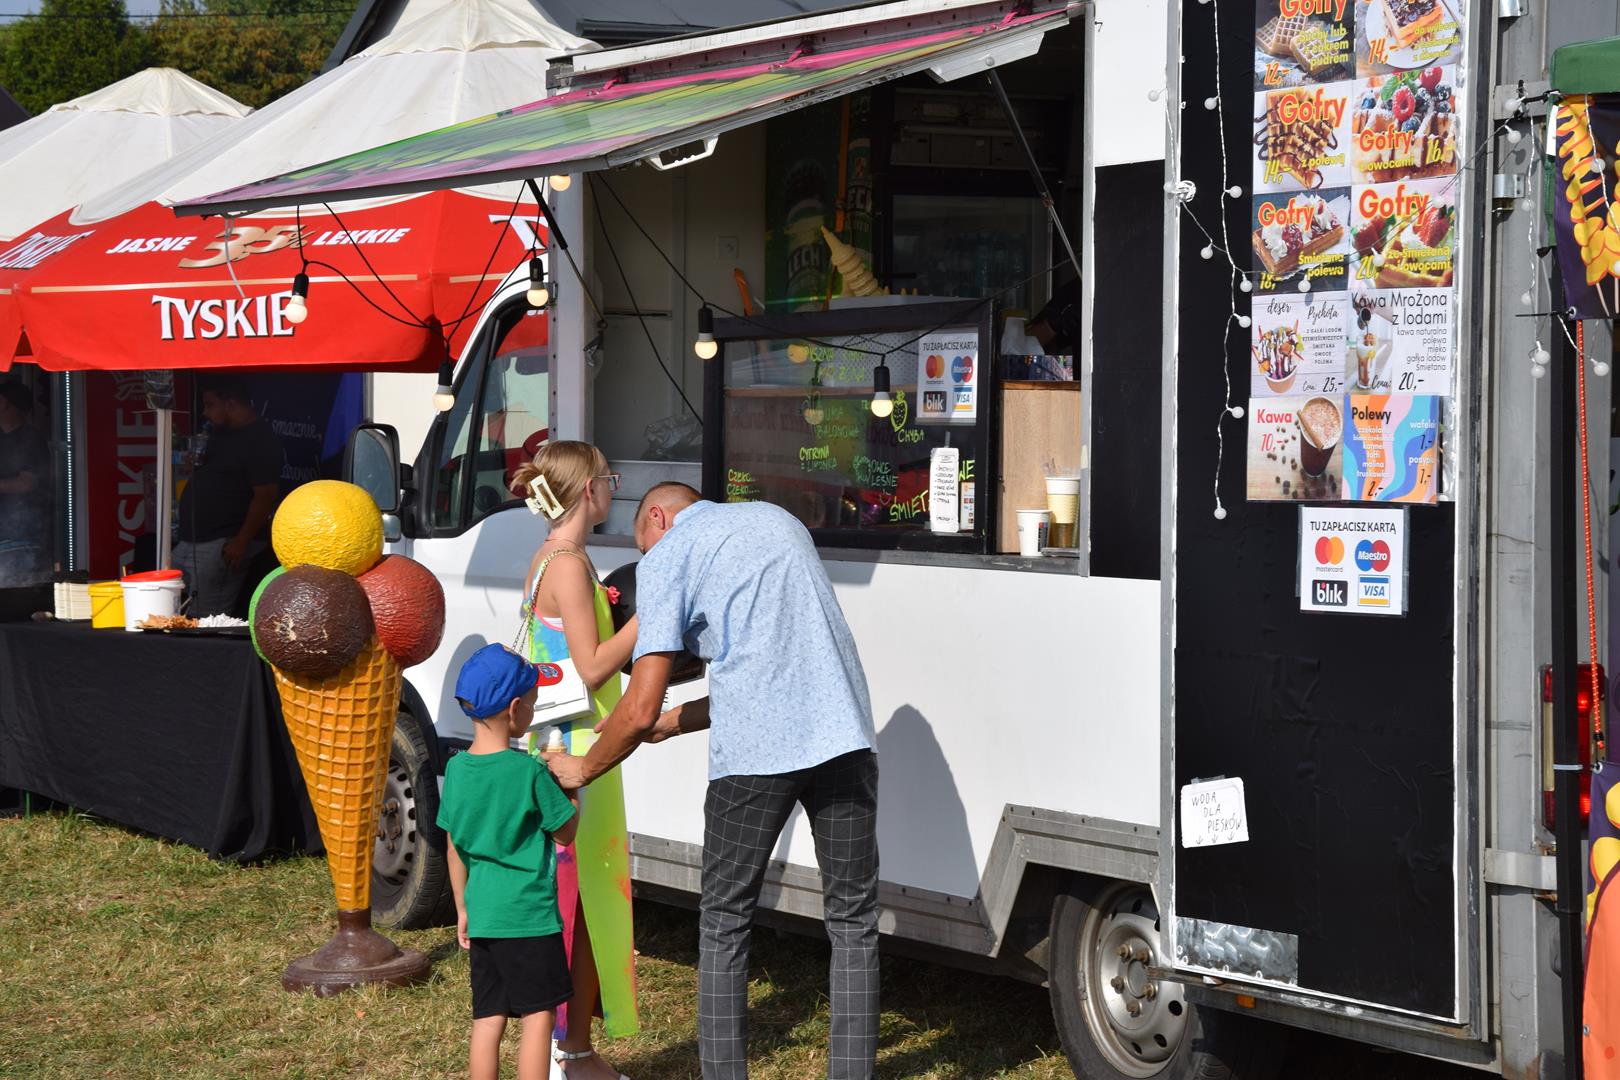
[[23, 7]]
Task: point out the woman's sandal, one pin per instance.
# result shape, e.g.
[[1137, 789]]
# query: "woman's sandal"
[[566, 1056]]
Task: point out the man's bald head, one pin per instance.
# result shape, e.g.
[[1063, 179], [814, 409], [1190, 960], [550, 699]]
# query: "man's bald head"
[[657, 511]]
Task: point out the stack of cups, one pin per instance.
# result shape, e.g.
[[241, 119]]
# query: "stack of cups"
[[1063, 499]]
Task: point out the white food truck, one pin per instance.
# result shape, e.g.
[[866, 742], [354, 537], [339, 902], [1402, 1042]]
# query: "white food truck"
[[1384, 870]]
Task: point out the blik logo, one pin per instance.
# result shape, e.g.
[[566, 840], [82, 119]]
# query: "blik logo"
[[1329, 593], [1372, 592], [550, 674], [1372, 555], [961, 369], [1329, 550]]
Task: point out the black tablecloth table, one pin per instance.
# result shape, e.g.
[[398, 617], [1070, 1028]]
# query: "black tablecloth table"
[[179, 736]]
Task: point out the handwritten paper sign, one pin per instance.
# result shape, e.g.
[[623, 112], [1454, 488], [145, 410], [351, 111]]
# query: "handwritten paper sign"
[[944, 489], [1213, 812]]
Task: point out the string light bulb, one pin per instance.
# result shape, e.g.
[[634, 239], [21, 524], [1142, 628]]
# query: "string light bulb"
[[1598, 165], [1527, 204], [560, 182], [1220, 513], [1207, 251], [705, 346], [1212, 103], [1600, 368], [1513, 136], [1155, 95], [539, 294], [1235, 191], [297, 310], [1527, 299], [882, 403], [444, 395], [1236, 411], [813, 415], [1304, 284], [1246, 286], [1244, 321], [1539, 356]]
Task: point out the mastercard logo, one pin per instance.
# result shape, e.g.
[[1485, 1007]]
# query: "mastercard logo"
[[1329, 550], [934, 366]]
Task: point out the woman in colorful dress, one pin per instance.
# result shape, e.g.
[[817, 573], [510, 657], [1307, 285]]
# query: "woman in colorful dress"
[[567, 616]]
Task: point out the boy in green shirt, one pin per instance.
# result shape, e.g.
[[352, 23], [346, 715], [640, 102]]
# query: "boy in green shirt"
[[502, 814]]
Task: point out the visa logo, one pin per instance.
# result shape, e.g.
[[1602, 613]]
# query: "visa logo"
[[1329, 594], [1372, 592]]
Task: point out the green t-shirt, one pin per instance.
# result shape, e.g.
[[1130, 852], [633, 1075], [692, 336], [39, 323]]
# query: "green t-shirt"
[[500, 810]]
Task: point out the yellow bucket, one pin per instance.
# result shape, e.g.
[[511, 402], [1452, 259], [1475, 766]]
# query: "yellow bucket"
[[106, 605]]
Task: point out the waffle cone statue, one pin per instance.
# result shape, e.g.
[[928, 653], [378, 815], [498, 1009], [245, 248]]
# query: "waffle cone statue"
[[337, 623], [858, 279]]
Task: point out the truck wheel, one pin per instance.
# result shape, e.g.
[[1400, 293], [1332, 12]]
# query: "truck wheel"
[[410, 874], [1116, 1022]]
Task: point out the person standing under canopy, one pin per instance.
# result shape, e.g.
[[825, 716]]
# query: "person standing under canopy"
[[25, 491], [228, 503]]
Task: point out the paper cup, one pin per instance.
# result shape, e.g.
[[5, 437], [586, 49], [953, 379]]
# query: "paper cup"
[[1032, 526], [1063, 499]]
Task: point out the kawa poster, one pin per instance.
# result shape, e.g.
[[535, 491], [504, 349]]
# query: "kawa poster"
[[1358, 136]]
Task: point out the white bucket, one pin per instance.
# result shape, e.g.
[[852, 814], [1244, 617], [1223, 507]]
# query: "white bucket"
[[148, 594]]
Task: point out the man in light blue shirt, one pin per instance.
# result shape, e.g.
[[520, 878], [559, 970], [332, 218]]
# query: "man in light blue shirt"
[[790, 723]]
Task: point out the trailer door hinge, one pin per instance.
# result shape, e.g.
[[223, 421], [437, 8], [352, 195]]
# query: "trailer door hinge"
[[1521, 869]]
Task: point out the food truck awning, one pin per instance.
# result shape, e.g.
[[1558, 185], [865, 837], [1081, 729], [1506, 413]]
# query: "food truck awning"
[[670, 98], [1588, 67]]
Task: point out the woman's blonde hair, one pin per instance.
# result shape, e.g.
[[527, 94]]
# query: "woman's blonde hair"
[[567, 468]]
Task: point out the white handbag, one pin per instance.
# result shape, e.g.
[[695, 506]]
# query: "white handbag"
[[563, 695]]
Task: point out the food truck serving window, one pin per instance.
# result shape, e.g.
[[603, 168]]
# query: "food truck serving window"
[[798, 427]]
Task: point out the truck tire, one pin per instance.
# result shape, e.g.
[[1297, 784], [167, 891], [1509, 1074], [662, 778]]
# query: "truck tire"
[[1115, 1022], [410, 873]]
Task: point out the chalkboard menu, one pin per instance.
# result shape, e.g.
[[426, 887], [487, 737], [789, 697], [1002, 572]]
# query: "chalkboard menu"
[[794, 397]]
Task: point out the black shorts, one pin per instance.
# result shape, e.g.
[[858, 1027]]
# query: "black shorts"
[[519, 976]]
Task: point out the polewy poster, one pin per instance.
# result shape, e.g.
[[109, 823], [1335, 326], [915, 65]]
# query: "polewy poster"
[[1358, 134], [948, 377], [1352, 560]]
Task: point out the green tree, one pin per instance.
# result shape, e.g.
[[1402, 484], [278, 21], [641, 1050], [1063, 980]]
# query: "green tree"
[[69, 48], [250, 49]]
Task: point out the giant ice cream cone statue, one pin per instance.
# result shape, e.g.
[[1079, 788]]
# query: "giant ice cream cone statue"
[[858, 279], [336, 624]]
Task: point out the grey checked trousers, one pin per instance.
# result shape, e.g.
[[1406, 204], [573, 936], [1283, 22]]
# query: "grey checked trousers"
[[743, 817]]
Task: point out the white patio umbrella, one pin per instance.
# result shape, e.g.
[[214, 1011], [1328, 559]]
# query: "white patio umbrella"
[[78, 149]]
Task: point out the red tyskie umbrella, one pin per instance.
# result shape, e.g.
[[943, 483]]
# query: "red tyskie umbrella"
[[146, 289]]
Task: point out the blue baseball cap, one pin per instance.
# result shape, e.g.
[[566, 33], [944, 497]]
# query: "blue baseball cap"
[[493, 678]]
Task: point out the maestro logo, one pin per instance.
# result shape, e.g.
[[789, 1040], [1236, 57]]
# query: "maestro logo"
[[1329, 550], [961, 369], [1372, 555]]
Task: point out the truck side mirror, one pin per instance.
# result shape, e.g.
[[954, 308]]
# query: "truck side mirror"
[[371, 461]]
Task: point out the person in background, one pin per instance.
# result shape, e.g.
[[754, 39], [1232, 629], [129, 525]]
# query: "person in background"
[[25, 491], [229, 500], [790, 724]]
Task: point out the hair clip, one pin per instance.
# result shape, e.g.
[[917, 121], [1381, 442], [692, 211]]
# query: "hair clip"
[[542, 501]]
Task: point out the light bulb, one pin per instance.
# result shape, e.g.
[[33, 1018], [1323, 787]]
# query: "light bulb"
[[798, 352], [1513, 136], [1378, 258], [705, 346], [539, 294], [1154, 95], [1527, 204], [1527, 299], [1237, 411], [1538, 372], [1539, 356], [1246, 286], [1235, 191], [1220, 513], [1597, 165], [296, 309], [560, 182], [1304, 284], [1244, 321], [1212, 103], [813, 416], [1207, 251], [882, 405], [444, 395], [1601, 368]]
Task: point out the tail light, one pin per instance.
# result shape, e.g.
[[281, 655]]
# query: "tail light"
[[1589, 722]]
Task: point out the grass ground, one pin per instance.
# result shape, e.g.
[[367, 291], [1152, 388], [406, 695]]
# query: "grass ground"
[[124, 956]]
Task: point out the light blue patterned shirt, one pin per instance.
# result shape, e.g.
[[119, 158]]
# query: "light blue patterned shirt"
[[741, 586]]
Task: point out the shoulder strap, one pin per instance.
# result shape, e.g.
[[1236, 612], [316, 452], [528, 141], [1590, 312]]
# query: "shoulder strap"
[[525, 628]]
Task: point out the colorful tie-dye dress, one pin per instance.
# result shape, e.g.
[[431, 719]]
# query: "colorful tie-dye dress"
[[593, 874]]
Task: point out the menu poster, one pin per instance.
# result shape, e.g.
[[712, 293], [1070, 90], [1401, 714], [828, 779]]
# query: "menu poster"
[[948, 377], [1407, 35], [1294, 448], [1391, 448], [1301, 233], [1358, 138], [1297, 345], [1303, 41]]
